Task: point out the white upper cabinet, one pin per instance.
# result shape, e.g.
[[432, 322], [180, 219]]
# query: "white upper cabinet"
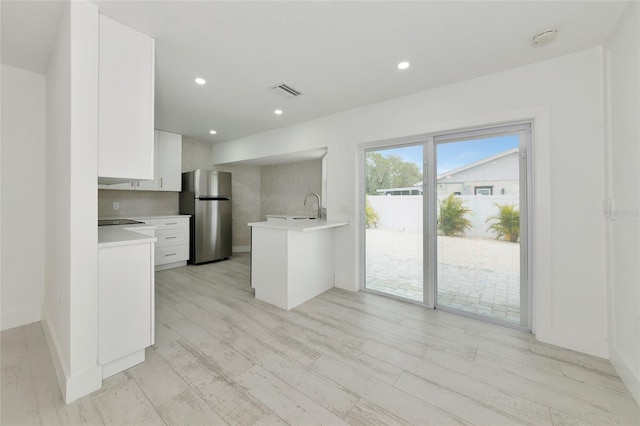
[[169, 161], [126, 96], [167, 165]]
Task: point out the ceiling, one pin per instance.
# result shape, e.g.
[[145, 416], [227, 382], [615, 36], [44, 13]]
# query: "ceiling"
[[340, 55]]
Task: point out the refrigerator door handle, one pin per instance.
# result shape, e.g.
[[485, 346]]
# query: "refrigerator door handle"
[[212, 198]]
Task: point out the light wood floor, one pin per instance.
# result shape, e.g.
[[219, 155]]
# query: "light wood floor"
[[221, 357]]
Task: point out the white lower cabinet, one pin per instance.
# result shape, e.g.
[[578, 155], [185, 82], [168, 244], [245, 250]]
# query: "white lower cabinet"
[[126, 305], [172, 247]]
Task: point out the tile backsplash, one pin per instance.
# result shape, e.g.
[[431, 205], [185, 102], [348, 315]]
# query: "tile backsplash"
[[136, 203], [284, 187]]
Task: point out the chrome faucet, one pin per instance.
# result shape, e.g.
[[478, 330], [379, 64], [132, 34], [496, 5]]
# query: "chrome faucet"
[[319, 207]]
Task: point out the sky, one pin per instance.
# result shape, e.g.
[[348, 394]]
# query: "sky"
[[452, 155]]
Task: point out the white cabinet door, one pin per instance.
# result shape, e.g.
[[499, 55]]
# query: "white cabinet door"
[[169, 154], [126, 96], [147, 185], [125, 314], [128, 185], [167, 166], [151, 185]]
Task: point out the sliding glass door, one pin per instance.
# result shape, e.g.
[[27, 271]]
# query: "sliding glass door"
[[446, 223], [481, 202], [394, 222]]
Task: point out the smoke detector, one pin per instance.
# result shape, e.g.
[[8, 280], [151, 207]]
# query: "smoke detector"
[[286, 91], [544, 37]]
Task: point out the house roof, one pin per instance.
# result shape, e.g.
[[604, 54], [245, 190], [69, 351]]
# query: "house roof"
[[416, 187], [477, 163]]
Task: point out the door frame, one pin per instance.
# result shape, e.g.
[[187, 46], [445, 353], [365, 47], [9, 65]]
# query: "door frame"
[[429, 142]]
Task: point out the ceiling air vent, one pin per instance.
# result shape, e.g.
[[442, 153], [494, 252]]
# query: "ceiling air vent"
[[287, 91]]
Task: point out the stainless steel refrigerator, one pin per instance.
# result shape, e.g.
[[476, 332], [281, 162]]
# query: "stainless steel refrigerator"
[[206, 196]]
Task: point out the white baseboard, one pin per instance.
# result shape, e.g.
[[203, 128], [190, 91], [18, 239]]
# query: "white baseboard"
[[170, 265], [20, 317], [345, 284], [241, 249], [72, 386], [626, 372], [574, 341], [121, 364]]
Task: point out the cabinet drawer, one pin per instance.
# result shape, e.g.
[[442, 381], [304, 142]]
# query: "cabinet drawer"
[[171, 237], [171, 254], [170, 222]]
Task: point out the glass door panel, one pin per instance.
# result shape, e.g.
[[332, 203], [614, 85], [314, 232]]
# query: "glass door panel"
[[479, 192], [394, 222], [452, 234]]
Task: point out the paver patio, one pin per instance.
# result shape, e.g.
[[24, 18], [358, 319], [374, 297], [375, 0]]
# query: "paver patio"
[[476, 275]]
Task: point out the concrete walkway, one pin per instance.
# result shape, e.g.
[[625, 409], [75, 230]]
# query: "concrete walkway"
[[481, 276]]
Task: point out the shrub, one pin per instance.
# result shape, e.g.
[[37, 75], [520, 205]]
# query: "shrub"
[[506, 223], [452, 220], [372, 217]]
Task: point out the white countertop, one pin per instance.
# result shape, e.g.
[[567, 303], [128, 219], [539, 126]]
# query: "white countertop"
[[299, 225], [288, 216], [122, 235], [166, 216]]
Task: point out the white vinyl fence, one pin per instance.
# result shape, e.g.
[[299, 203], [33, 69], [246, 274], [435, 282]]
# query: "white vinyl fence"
[[404, 212]]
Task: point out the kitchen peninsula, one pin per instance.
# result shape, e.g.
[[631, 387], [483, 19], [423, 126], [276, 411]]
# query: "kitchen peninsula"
[[292, 259]]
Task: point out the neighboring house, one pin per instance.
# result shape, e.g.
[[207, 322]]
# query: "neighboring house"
[[415, 190], [495, 175]]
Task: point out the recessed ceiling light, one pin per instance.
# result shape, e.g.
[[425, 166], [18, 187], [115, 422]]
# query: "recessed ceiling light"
[[213, 132], [544, 37], [403, 65], [200, 81], [278, 112]]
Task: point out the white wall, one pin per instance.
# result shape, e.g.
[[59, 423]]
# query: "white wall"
[[71, 245], [622, 83], [57, 224], [564, 97], [23, 154]]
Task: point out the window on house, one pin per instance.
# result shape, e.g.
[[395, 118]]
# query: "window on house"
[[484, 190]]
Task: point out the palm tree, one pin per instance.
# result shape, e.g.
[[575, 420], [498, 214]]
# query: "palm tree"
[[452, 221], [506, 222], [372, 217]]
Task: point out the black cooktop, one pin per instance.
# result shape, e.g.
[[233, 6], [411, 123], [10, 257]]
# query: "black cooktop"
[[105, 222]]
